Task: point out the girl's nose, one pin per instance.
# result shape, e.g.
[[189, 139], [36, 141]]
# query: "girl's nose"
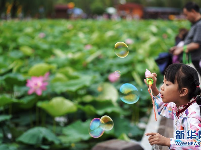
[[162, 88]]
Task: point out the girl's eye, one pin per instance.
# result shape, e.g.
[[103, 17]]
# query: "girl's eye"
[[167, 84]]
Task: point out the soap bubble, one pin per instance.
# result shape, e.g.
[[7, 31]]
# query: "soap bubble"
[[129, 93], [121, 49], [95, 123], [106, 123], [95, 130]]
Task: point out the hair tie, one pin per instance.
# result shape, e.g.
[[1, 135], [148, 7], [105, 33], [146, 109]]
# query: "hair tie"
[[197, 86]]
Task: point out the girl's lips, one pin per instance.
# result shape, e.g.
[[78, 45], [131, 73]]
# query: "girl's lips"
[[161, 96]]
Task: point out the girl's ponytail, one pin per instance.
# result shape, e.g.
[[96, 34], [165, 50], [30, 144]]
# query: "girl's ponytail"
[[198, 97], [197, 92]]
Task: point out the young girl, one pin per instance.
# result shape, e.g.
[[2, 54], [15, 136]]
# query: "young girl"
[[179, 99]]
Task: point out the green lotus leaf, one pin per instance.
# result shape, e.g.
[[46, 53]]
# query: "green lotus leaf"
[[12, 79], [109, 92], [59, 77], [102, 107], [88, 109], [59, 53], [26, 50], [71, 85], [69, 72], [4, 100], [8, 147], [24, 40], [124, 137], [58, 106], [87, 98], [27, 102], [137, 78], [76, 131], [123, 126], [36, 135], [40, 69], [4, 117]]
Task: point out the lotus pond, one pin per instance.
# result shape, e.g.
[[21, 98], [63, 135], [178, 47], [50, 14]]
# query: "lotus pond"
[[57, 75]]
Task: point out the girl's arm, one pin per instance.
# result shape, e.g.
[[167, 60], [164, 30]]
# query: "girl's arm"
[[155, 91]]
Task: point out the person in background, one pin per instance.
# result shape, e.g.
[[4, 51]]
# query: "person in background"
[[179, 42], [192, 42]]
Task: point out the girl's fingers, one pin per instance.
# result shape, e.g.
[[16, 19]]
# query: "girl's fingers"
[[145, 81], [155, 74], [150, 76], [147, 134], [152, 142], [150, 138]]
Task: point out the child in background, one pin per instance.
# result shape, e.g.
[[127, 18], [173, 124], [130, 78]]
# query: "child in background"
[[179, 99], [179, 42]]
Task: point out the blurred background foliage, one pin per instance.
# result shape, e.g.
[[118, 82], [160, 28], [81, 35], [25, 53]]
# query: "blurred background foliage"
[[79, 55], [90, 7]]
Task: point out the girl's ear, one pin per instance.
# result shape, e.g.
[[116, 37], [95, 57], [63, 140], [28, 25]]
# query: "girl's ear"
[[183, 92]]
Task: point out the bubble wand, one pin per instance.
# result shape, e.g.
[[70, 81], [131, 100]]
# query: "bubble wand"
[[150, 82]]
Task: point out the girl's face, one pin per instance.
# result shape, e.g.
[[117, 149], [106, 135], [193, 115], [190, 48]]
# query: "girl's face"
[[169, 91]]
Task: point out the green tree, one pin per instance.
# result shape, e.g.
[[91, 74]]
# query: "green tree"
[[28, 7], [97, 8], [2, 6]]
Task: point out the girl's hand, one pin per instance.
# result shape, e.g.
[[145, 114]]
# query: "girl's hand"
[[156, 138], [153, 76]]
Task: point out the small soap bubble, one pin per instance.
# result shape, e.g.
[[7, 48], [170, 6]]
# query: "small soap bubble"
[[129, 93], [106, 123], [95, 130], [121, 49], [117, 73]]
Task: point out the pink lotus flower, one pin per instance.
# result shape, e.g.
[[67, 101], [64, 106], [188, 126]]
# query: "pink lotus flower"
[[37, 84], [88, 46], [113, 77], [41, 35], [129, 41]]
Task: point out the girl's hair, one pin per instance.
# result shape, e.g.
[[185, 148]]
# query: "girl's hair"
[[185, 76]]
